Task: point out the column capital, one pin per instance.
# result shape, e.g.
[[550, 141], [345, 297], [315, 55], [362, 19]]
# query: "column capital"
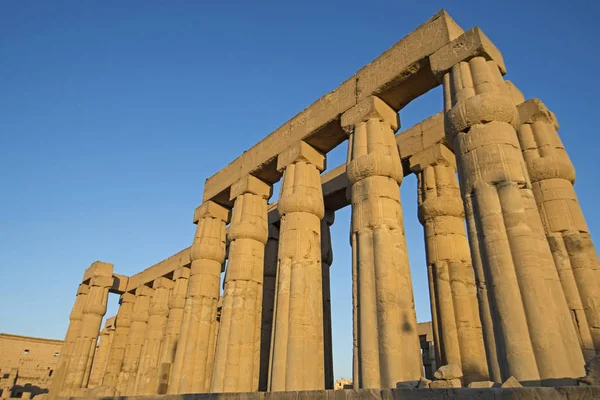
[[181, 273], [143, 291], [127, 298], [250, 184], [83, 289], [472, 43], [515, 93], [212, 210], [300, 152], [534, 110], [101, 281], [369, 108], [110, 322], [99, 268], [163, 282], [435, 155]]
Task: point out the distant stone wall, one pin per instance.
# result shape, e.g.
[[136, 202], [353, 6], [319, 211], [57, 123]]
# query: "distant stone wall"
[[27, 364]]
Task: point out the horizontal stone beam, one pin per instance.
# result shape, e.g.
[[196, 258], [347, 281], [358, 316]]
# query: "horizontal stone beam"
[[119, 281], [163, 268], [398, 76]]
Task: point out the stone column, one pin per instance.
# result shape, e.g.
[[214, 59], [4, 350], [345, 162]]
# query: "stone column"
[[454, 295], [176, 303], [69, 343], [102, 353], [386, 324], [119, 343], [326, 260], [237, 355], [268, 303], [192, 368], [94, 309], [552, 177], [298, 355], [535, 338], [148, 371], [135, 341]]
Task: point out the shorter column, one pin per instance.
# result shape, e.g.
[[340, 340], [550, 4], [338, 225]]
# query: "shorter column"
[[454, 296], [237, 356], [119, 343], [298, 356], [147, 375], [326, 261], [181, 277], [552, 177], [94, 308], [102, 353], [135, 341]]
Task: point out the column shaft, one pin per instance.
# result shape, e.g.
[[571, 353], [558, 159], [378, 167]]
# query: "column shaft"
[[119, 343], [327, 260], [388, 349], [297, 354], [237, 355], [193, 364], [102, 353]]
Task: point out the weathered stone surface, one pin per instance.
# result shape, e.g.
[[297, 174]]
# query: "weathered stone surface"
[[592, 371], [511, 382], [481, 385], [423, 383], [449, 371], [444, 384]]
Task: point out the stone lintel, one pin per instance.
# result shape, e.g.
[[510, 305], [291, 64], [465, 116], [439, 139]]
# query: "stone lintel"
[[515, 93], [119, 285], [301, 151], [535, 110], [251, 184], [435, 155], [472, 43], [371, 107], [143, 291], [212, 210], [162, 268], [127, 298], [181, 273], [273, 232], [163, 282]]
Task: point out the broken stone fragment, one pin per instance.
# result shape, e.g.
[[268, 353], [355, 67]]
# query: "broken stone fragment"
[[481, 385], [449, 371], [446, 384], [511, 382]]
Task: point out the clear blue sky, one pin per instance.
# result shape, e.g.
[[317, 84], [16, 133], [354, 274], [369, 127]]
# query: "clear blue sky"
[[113, 113]]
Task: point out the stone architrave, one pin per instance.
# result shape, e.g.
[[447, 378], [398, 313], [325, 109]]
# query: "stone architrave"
[[73, 332], [193, 364], [119, 342], [268, 303], [181, 278], [94, 308], [148, 371], [135, 341], [552, 177], [237, 355], [388, 350], [297, 348], [450, 272], [326, 261], [102, 353], [535, 338]]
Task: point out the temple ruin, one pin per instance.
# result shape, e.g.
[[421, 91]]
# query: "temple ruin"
[[515, 297]]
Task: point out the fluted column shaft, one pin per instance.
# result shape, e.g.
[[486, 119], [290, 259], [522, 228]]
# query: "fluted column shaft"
[[237, 355], [119, 342], [169, 346], [158, 312], [135, 341], [297, 354], [193, 364], [326, 261], [535, 338], [94, 309], [268, 303], [454, 295], [386, 325], [552, 177], [101, 357], [69, 343]]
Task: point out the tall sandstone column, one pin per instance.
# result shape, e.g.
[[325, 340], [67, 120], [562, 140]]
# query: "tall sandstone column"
[[119, 342], [192, 368], [385, 320], [552, 177], [237, 355], [268, 303], [169, 346], [135, 341], [102, 353], [535, 338], [297, 354], [327, 260], [148, 371], [454, 295], [69, 343], [94, 309]]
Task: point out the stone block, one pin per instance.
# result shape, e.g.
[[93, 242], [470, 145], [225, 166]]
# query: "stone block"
[[371, 107], [534, 110], [163, 283], [481, 385], [250, 184], [511, 382], [143, 291], [301, 151], [83, 289], [127, 298], [101, 281], [435, 155], [449, 371], [472, 43], [212, 210], [424, 383], [446, 384], [181, 272], [515, 93]]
